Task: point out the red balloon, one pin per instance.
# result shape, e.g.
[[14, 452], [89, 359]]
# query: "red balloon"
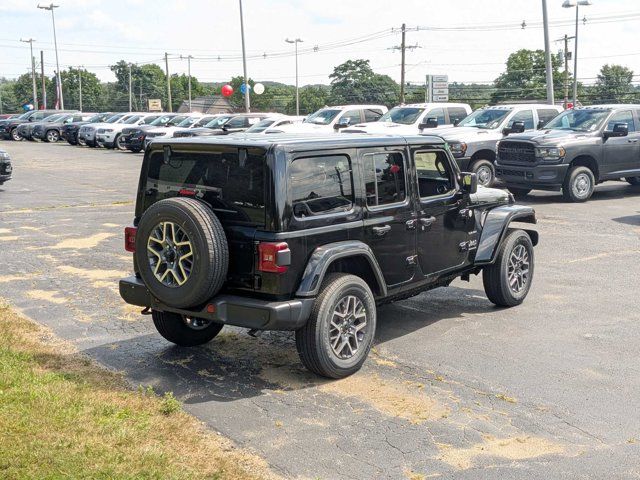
[[227, 90]]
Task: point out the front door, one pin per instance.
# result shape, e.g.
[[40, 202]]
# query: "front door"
[[390, 226], [446, 227], [621, 153]]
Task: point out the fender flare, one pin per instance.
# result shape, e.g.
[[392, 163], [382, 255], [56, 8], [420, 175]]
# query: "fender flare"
[[495, 228], [324, 256]]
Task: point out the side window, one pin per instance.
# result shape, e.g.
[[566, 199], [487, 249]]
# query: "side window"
[[238, 122], [545, 115], [321, 185], [435, 176], [372, 114], [353, 116], [436, 113], [525, 116], [384, 175], [622, 117], [456, 112]]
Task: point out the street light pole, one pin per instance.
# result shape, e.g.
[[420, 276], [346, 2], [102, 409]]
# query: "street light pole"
[[130, 91], [296, 42], [80, 84], [547, 54], [247, 100], [188, 57], [33, 72], [576, 4], [50, 7]]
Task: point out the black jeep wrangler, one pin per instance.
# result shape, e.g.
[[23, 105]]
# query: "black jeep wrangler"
[[311, 234], [573, 152]]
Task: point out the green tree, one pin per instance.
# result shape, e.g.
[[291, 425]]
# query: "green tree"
[[180, 90], [8, 101], [148, 81], [312, 98], [23, 89], [92, 90], [354, 81], [614, 85], [525, 77]]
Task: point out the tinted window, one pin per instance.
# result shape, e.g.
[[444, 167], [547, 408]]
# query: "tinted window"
[[321, 185], [622, 117], [403, 115], [372, 114], [437, 113], [525, 116], [231, 182], [545, 115], [456, 113], [384, 175], [237, 122], [434, 173], [352, 115]]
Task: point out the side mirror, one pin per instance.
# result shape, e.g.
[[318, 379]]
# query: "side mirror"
[[430, 122], [342, 123], [516, 127], [619, 130], [541, 124], [456, 121], [469, 183]]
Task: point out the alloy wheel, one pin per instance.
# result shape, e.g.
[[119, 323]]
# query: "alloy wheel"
[[170, 254], [518, 268], [348, 327]]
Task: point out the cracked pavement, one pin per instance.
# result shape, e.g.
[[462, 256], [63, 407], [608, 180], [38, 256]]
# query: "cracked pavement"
[[454, 388]]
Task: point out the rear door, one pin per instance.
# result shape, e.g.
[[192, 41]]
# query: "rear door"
[[389, 224]]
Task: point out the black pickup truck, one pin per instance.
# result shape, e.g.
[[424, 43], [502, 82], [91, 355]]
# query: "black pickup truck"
[[575, 151]]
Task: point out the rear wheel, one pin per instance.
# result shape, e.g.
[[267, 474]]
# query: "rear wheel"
[[52, 136], [485, 172], [578, 185], [15, 136], [633, 180], [507, 281], [185, 331], [337, 338], [519, 192]]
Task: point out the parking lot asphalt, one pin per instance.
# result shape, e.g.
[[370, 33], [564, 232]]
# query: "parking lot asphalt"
[[454, 387]]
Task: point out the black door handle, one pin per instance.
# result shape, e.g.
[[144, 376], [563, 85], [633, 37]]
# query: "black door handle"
[[381, 231], [428, 221], [411, 224]]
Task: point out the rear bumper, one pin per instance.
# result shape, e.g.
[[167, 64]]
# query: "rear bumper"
[[229, 309], [5, 178], [544, 177]]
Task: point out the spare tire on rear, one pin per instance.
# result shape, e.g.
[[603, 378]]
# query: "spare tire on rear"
[[181, 252]]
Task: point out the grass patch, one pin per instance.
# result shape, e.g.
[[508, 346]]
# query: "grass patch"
[[62, 416]]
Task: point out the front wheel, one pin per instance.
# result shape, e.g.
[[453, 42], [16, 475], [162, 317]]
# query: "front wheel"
[[507, 281], [633, 180], [185, 331], [52, 136], [337, 338], [119, 142], [485, 171], [15, 136], [579, 184]]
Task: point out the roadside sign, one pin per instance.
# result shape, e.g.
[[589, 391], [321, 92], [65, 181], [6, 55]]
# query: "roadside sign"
[[155, 105], [440, 78], [437, 88], [441, 91], [441, 98], [440, 84]]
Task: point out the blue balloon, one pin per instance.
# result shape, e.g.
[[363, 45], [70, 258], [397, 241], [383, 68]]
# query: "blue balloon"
[[243, 88]]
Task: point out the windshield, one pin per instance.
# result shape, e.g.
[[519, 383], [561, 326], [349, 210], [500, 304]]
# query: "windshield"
[[99, 117], [176, 120], [55, 118], [24, 115], [261, 126], [486, 118], [115, 118], [132, 119], [217, 122], [204, 120], [150, 119], [402, 115], [579, 120], [322, 117], [161, 120], [187, 122]]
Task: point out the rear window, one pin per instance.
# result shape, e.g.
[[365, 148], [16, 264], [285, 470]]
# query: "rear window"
[[231, 181]]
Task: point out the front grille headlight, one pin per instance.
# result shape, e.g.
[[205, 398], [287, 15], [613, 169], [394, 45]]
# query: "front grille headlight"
[[550, 153], [4, 156], [458, 149]]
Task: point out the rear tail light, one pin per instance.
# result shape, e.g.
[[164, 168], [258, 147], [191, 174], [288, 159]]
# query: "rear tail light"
[[187, 192], [130, 239], [273, 257]]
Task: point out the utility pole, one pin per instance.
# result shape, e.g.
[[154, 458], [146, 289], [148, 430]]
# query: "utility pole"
[[566, 71], [402, 48], [547, 54], [247, 100], [33, 72], [130, 90], [166, 64], [50, 7], [44, 85], [80, 85], [188, 57]]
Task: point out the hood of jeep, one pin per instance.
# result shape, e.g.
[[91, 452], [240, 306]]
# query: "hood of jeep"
[[469, 134], [550, 138], [489, 196]]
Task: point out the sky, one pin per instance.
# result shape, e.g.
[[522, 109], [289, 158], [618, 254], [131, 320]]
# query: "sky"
[[97, 33]]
